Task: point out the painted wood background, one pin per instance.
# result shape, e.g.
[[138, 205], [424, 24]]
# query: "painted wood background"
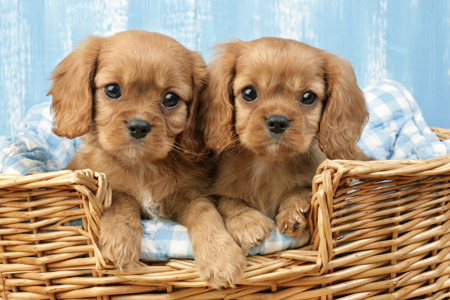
[[404, 40]]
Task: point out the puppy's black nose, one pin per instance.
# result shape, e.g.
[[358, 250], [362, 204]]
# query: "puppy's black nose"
[[138, 128], [277, 124]]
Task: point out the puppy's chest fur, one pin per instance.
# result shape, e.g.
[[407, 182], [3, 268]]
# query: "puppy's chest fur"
[[157, 186], [262, 183], [150, 209], [158, 192]]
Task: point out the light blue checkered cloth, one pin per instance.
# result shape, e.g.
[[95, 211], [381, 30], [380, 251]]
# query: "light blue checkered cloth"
[[34, 147], [396, 130], [165, 240]]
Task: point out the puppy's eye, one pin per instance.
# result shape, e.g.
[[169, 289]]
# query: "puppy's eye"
[[249, 94], [171, 100], [112, 91], [309, 99]]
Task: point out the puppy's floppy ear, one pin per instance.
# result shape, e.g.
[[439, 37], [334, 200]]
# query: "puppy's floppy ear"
[[345, 112], [72, 89], [217, 109], [191, 139]]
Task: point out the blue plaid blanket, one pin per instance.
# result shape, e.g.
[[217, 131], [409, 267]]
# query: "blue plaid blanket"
[[396, 127], [396, 130]]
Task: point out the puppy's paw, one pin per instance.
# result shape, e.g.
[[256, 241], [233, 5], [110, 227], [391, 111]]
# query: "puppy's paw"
[[249, 228], [221, 261], [120, 240], [292, 222]]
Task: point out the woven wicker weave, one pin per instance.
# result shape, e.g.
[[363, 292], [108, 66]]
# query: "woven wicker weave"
[[443, 134], [385, 236]]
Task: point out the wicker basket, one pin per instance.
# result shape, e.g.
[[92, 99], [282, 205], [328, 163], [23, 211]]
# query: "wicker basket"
[[381, 230]]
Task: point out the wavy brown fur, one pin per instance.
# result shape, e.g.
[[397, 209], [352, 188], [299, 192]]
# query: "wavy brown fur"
[[263, 177], [162, 175]]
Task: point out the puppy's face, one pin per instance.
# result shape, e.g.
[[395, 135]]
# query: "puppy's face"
[[275, 97], [144, 89], [142, 96], [278, 103]]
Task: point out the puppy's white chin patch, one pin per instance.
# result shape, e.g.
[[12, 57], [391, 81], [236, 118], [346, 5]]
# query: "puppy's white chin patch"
[[273, 148], [150, 209]]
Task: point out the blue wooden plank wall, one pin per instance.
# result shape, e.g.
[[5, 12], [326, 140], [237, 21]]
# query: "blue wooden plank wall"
[[404, 40]]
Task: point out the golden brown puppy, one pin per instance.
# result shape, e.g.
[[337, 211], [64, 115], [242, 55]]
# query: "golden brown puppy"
[[134, 96], [274, 109]]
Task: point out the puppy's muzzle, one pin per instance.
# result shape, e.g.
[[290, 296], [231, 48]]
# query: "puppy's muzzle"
[[277, 124], [138, 128]]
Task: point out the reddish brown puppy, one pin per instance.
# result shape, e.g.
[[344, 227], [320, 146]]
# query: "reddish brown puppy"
[[273, 110], [134, 99]]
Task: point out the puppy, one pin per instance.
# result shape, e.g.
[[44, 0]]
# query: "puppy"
[[273, 110], [134, 99]]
